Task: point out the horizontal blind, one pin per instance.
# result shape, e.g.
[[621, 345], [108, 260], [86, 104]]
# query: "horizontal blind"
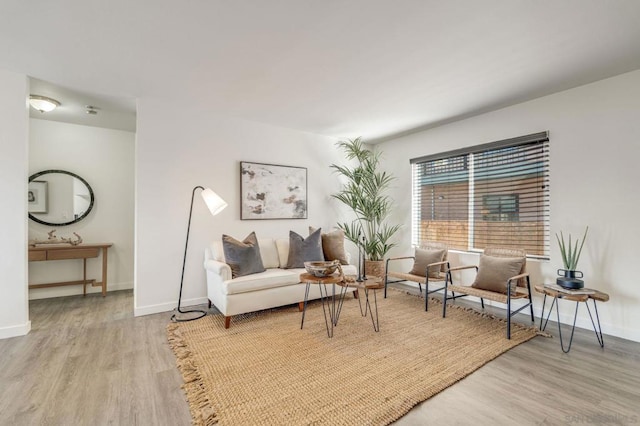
[[494, 196]]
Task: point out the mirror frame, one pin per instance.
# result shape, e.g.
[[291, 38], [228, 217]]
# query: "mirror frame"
[[78, 219]]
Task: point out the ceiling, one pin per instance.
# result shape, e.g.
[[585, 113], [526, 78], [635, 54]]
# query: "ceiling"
[[375, 68]]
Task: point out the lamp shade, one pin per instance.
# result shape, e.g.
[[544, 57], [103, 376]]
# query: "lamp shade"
[[42, 103], [213, 201]]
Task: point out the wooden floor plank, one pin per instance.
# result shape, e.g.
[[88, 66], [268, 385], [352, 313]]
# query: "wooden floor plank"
[[88, 361]]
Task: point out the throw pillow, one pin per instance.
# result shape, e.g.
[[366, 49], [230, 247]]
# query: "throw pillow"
[[333, 245], [425, 257], [304, 250], [493, 272], [243, 257]]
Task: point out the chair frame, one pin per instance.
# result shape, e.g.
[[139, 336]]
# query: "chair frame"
[[487, 293], [426, 278]]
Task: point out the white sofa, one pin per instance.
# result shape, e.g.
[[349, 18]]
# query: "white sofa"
[[269, 289]]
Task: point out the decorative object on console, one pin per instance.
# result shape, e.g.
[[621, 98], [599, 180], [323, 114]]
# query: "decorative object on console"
[[270, 191], [53, 239], [215, 204], [365, 194], [569, 276]]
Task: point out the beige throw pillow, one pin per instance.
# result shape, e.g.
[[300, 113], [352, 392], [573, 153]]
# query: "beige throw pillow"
[[493, 273], [425, 257], [333, 245]]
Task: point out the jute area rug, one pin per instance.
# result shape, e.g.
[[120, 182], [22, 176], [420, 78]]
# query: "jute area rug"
[[265, 370]]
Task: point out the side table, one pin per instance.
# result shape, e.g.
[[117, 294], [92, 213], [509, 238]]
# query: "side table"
[[322, 282], [557, 294], [366, 285]]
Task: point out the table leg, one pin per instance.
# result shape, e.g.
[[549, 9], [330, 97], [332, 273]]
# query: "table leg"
[[328, 307], [573, 329], [343, 293], [84, 276], [104, 271], [598, 329], [376, 322], [304, 308], [555, 299]]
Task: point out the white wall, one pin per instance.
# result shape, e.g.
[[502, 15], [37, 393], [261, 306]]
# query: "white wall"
[[181, 145], [14, 116], [595, 146], [105, 159]]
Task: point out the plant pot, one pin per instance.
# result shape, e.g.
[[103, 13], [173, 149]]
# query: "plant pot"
[[374, 268], [570, 279]]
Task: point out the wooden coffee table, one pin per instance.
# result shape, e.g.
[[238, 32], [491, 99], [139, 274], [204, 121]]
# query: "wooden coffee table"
[[366, 285], [329, 300]]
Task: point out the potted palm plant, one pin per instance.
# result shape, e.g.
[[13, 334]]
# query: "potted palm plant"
[[570, 252], [365, 193]]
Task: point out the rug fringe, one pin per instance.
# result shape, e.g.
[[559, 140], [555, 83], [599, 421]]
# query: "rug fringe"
[[476, 312], [201, 410]]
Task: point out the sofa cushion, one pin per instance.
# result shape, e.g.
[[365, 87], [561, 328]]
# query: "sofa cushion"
[[333, 245], [270, 278], [268, 252], [243, 257], [304, 249]]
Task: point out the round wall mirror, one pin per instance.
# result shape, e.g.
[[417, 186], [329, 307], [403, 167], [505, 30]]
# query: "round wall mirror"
[[58, 198]]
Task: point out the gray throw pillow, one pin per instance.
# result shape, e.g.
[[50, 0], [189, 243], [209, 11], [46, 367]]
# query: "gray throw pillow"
[[304, 250], [424, 258], [493, 272], [243, 257], [333, 245]]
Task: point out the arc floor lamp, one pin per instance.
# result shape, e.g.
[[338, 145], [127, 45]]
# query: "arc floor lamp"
[[215, 204]]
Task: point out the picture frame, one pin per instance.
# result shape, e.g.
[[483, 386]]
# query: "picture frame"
[[37, 196], [272, 191]]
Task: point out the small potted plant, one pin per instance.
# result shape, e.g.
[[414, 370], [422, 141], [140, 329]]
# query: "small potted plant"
[[570, 255]]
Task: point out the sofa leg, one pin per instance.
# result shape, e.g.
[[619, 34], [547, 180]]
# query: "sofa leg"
[[227, 322], [301, 306], [355, 294]]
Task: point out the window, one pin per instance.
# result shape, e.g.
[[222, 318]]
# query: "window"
[[495, 194]]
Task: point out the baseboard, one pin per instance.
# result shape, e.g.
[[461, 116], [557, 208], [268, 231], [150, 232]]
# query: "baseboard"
[[167, 307], [15, 330], [49, 292]]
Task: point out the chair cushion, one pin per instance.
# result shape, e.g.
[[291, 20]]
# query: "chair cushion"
[[493, 272], [333, 245], [243, 257], [425, 257], [304, 249]]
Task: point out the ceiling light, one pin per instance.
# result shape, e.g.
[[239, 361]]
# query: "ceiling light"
[[42, 103]]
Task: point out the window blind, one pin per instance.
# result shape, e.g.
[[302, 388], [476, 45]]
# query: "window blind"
[[494, 194]]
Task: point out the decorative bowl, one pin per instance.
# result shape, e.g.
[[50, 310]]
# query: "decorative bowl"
[[321, 268]]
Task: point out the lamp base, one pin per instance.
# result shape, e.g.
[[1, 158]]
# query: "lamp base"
[[176, 318]]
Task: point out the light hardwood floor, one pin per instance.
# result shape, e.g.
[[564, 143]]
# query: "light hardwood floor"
[[88, 361]]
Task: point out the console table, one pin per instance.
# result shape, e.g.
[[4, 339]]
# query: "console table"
[[66, 252]]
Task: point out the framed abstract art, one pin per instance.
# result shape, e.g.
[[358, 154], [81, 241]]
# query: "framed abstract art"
[[271, 191]]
